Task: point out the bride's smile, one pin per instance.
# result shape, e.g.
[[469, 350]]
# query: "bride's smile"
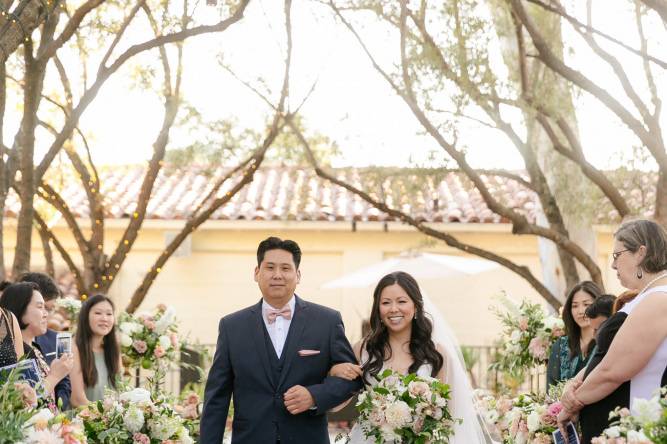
[[396, 308]]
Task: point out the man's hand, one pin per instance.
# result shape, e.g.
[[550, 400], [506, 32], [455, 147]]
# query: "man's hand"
[[298, 399]]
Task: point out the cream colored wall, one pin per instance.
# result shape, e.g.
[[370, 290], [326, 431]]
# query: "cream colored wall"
[[216, 278]]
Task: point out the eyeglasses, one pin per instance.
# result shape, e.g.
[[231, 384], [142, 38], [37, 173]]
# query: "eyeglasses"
[[616, 254]]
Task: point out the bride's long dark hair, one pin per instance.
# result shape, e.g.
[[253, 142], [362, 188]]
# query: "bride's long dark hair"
[[376, 342]]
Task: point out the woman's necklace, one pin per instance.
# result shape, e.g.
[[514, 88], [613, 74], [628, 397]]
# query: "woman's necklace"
[[652, 281]]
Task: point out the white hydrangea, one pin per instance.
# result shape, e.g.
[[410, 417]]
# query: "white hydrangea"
[[163, 427], [133, 419], [533, 421], [613, 432], [637, 436]]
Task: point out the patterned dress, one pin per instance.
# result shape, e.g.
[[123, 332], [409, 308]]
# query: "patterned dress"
[[561, 367], [7, 350]]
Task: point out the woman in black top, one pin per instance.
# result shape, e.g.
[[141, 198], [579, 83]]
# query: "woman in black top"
[[11, 341]]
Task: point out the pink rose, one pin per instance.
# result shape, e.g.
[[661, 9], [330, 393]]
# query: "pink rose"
[[538, 348], [523, 427], [523, 324], [192, 398], [141, 438], [149, 324], [624, 412], [159, 351], [555, 408], [557, 332], [140, 346], [548, 419], [174, 340]]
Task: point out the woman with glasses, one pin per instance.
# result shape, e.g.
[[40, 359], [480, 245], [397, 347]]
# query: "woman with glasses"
[[630, 362]]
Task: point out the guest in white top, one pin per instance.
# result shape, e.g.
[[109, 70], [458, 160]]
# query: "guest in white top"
[[638, 352]]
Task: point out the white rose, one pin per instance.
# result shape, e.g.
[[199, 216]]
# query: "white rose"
[[398, 414], [126, 327], [533, 421], [125, 340], [613, 432], [137, 395], [516, 335], [164, 342], [647, 410], [133, 419]]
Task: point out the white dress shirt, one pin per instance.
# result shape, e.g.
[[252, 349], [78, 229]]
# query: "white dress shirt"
[[279, 329]]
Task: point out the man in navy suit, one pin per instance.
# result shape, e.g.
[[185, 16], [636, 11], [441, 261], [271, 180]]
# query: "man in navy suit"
[[273, 359], [47, 341]]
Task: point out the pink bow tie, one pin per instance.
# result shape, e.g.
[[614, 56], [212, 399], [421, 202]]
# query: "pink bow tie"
[[271, 314]]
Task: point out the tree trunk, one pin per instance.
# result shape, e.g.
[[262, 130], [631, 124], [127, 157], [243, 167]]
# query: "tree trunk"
[[661, 199], [567, 183], [28, 15]]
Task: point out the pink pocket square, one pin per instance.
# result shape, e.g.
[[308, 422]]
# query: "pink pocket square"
[[308, 352]]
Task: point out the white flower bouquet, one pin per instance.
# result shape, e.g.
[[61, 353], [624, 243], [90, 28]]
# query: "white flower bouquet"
[[44, 427], [134, 416], [648, 424], [406, 409], [146, 338]]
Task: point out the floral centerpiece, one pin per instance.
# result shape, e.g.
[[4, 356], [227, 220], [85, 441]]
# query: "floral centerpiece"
[[528, 335], [648, 424], [146, 338], [134, 416], [407, 409], [530, 420]]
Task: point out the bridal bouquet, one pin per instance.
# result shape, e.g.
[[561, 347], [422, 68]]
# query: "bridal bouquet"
[[528, 335], [134, 416], [147, 337], [647, 425], [407, 409]]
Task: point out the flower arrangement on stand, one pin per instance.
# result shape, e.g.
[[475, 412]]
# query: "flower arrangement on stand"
[[409, 409], [647, 425], [149, 338], [134, 416], [69, 309], [528, 334], [530, 420]]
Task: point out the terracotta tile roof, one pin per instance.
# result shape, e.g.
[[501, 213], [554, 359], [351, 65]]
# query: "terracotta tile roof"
[[288, 193]]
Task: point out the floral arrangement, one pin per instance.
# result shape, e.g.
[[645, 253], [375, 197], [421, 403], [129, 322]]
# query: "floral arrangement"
[[134, 416], [18, 401], [44, 427], [648, 424], [407, 409], [70, 307], [146, 338], [493, 410], [530, 420], [189, 408], [528, 335]]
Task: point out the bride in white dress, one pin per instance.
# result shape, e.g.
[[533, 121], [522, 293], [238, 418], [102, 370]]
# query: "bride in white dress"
[[404, 338]]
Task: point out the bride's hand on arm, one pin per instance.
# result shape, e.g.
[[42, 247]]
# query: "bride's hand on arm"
[[346, 370]]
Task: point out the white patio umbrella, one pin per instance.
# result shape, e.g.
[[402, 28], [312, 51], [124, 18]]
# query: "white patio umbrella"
[[419, 265]]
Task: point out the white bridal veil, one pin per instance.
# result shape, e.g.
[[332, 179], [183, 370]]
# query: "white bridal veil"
[[462, 406]]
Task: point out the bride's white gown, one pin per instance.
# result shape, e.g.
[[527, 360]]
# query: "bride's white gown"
[[461, 405]]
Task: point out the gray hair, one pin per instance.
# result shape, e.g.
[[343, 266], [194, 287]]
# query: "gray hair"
[[635, 233]]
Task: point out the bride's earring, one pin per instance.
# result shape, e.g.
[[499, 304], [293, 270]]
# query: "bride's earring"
[[640, 273]]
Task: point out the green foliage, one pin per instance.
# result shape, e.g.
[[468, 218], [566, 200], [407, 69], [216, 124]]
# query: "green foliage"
[[13, 408]]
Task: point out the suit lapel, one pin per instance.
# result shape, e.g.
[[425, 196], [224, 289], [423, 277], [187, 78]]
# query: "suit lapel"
[[294, 336], [258, 338]]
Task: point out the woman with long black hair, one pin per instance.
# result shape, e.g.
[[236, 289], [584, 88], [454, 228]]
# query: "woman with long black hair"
[[97, 362]]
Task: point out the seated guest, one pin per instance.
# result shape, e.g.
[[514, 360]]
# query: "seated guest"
[[569, 354], [96, 353], [600, 310], [47, 341], [26, 302]]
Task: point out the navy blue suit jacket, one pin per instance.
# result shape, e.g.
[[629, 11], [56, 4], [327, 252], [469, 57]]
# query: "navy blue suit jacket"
[[47, 345], [241, 370]]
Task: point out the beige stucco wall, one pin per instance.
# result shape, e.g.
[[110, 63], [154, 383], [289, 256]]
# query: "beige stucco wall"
[[216, 277]]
